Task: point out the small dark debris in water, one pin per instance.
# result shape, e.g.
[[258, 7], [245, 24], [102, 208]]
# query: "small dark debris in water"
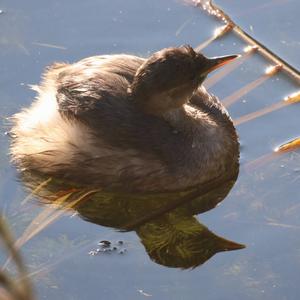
[[109, 247], [104, 243], [122, 251]]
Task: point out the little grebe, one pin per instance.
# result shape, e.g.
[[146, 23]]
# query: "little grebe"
[[125, 123]]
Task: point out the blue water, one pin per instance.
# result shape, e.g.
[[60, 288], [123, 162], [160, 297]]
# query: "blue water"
[[262, 210]]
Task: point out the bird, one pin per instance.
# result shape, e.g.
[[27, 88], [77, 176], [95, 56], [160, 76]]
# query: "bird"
[[128, 124]]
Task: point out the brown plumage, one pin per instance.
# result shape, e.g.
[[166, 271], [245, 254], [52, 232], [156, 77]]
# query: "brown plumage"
[[125, 123]]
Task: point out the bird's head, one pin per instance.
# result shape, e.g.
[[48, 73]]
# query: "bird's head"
[[168, 78]]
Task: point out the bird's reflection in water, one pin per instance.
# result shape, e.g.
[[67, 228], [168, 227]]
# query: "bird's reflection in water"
[[165, 223]]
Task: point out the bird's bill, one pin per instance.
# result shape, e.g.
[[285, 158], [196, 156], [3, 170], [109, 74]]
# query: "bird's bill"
[[227, 245], [217, 62]]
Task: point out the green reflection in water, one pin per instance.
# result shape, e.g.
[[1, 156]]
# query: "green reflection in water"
[[165, 222]]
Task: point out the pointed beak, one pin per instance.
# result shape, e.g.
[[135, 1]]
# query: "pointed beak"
[[227, 245], [217, 62]]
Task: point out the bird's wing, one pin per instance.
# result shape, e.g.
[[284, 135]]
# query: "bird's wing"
[[94, 84], [94, 92], [208, 103]]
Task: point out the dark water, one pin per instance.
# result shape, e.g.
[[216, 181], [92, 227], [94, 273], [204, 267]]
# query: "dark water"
[[261, 210]]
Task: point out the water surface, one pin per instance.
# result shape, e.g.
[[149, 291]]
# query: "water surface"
[[261, 210]]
